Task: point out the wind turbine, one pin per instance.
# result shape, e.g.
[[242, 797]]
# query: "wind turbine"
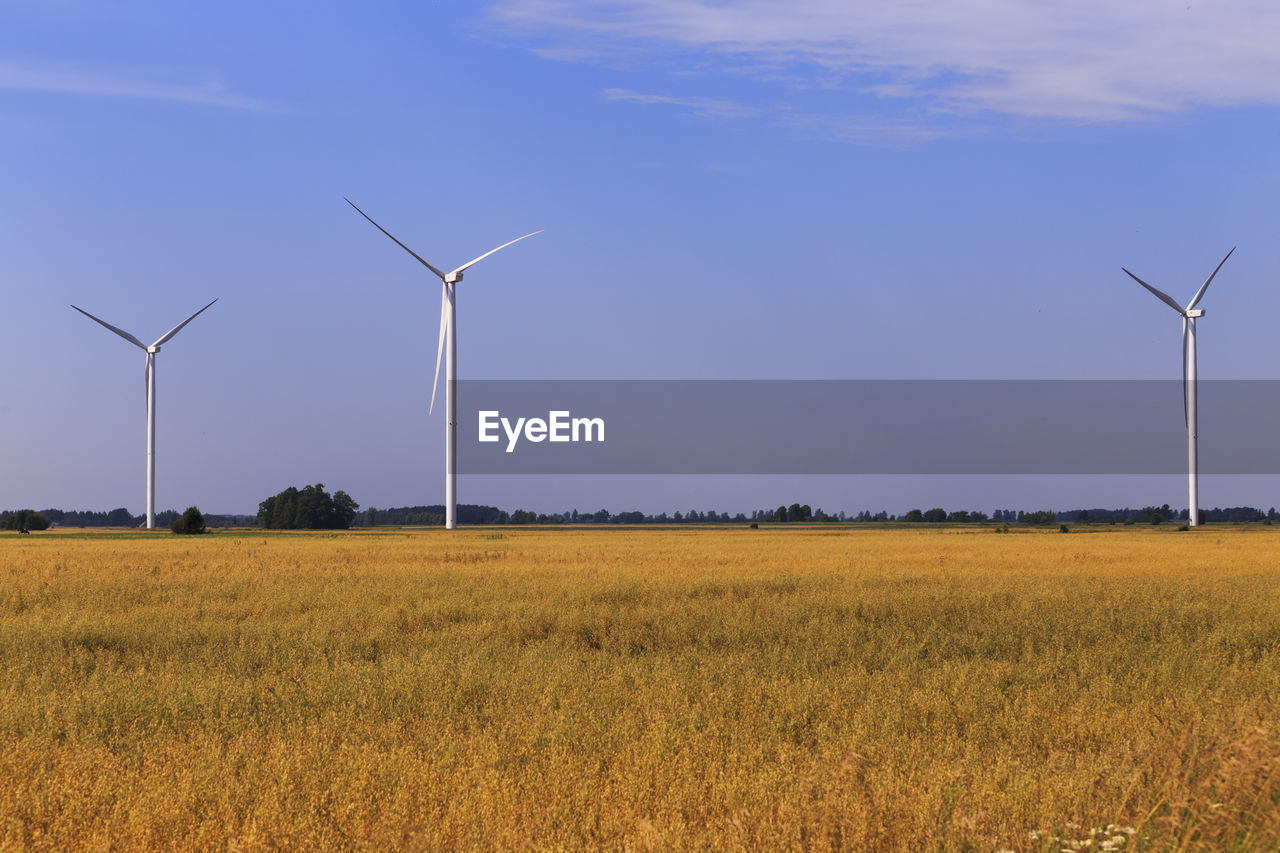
[[1189, 316], [151, 398], [448, 329]]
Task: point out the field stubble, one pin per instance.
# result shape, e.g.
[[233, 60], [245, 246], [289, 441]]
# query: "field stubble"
[[683, 688]]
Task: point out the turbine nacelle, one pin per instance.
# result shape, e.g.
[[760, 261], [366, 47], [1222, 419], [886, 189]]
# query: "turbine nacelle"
[[452, 277], [1193, 313], [153, 349]]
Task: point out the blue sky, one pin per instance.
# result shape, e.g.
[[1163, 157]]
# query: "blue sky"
[[750, 190]]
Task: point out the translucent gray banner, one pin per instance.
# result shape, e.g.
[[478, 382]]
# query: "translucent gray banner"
[[863, 427]]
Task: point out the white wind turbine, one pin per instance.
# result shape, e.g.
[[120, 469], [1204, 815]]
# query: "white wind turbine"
[[448, 329], [151, 398], [1189, 316]]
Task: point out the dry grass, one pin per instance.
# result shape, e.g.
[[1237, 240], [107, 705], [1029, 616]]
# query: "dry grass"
[[638, 689]]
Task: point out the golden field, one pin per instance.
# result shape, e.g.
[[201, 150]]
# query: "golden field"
[[688, 688]]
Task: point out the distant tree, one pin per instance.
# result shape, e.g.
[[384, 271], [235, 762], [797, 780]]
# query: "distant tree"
[[313, 508], [343, 510], [23, 519], [799, 512], [913, 515], [935, 515], [120, 517], [309, 508], [190, 522]]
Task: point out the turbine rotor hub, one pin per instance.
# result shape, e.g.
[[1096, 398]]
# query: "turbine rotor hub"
[[153, 350], [453, 277]]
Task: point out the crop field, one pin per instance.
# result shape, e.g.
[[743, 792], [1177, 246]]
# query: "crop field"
[[685, 688]]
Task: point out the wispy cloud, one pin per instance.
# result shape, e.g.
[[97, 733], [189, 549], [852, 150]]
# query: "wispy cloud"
[[1086, 60], [865, 130], [709, 107], [74, 79]]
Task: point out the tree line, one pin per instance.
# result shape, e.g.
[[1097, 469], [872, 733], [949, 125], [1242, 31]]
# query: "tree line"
[[311, 507], [120, 517], [430, 515]]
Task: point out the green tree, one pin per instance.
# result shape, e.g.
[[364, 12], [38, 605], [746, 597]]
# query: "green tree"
[[343, 510], [798, 512], [120, 517], [308, 508], [935, 515], [190, 522], [24, 519], [913, 515]]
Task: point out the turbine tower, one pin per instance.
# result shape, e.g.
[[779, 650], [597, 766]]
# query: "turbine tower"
[[151, 398], [1189, 316], [448, 329]]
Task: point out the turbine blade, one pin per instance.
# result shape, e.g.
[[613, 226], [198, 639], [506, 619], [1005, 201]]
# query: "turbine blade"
[[444, 315], [491, 251], [439, 274], [178, 328], [121, 332], [1162, 296], [1186, 413], [1200, 293]]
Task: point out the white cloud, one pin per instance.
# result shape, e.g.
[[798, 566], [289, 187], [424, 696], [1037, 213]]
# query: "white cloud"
[[866, 130], [1091, 60], [71, 79], [702, 106]]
